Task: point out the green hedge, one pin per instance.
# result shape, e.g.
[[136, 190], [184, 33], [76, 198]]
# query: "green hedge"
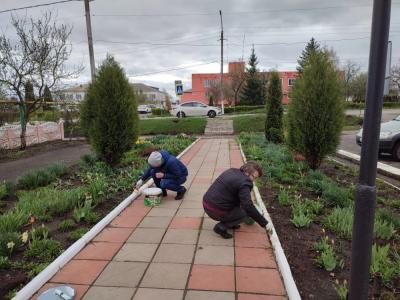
[[159, 112], [353, 105], [243, 108], [172, 126]]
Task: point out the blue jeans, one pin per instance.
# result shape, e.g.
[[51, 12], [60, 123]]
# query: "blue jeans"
[[169, 184]]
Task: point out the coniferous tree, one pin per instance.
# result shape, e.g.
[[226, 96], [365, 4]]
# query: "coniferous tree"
[[273, 122], [47, 97], [315, 116], [252, 91], [311, 48], [109, 113]]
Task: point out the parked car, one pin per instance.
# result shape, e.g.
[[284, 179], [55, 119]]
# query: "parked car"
[[389, 138], [144, 109], [193, 108]]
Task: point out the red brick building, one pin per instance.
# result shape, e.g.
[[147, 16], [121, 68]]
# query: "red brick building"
[[201, 83]]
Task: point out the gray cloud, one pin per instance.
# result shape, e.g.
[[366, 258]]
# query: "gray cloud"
[[192, 23]]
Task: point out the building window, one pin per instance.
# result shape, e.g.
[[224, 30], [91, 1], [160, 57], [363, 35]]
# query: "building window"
[[207, 83], [292, 81], [78, 97]]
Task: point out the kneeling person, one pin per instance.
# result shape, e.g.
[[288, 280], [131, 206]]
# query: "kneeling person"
[[228, 200], [168, 173]]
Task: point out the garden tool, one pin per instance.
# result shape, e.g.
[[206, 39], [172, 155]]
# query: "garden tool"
[[62, 292]]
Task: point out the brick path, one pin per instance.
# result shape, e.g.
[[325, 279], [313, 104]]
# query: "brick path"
[[170, 252]]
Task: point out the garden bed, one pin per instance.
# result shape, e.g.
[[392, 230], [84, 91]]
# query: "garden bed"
[[312, 213], [48, 210]]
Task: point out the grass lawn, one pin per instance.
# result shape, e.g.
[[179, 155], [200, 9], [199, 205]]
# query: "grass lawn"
[[173, 126]]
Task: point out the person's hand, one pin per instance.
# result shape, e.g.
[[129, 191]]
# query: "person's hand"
[[160, 175], [139, 183]]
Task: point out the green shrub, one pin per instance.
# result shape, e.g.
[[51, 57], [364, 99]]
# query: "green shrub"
[[3, 192], [13, 220], [10, 187], [85, 213], [77, 234], [159, 112], [315, 115], [66, 225], [5, 263], [381, 265], [43, 250], [243, 108], [273, 122], [87, 161], [284, 198], [340, 221], [389, 216], [334, 195], [41, 177], [108, 113], [9, 241], [326, 255], [383, 229], [97, 188], [300, 219]]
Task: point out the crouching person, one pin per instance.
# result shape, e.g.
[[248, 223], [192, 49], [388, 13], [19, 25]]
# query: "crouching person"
[[228, 200], [168, 173]]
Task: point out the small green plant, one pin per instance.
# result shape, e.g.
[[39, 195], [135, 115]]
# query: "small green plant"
[[36, 269], [334, 195], [4, 263], [283, 197], [381, 264], [97, 187], [44, 250], [326, 255], [389, 216], [341, 289], [41, 177], [340, 221], [300, 219], [383, 229], [13, 220], [82, 211], [10, 187], [77, 234], [87, 161], [9, 241], [66, 225], [39, 233]]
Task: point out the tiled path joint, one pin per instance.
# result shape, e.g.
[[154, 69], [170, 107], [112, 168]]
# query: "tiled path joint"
[[170, 252]]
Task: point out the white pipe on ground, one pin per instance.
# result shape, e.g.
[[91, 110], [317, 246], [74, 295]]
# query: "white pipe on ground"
[[284, 268], [37, 282]]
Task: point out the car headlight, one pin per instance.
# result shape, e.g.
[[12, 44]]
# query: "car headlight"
[[385, 134]]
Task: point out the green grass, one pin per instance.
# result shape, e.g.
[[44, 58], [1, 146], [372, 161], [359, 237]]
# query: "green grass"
[[254, 123], [173, 126]]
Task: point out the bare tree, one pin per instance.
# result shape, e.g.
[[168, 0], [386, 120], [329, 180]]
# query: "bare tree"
[[237, 78], [213, 93], [38, 55], [351, 71], [396, 76]]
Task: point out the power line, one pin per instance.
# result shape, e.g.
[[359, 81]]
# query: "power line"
[[34, 6], [174, 69]]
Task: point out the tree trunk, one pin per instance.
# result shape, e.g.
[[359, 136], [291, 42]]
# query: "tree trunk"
[[23, 134]]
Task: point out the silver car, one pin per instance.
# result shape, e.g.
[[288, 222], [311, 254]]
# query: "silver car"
[[193, 108], [389, 138]]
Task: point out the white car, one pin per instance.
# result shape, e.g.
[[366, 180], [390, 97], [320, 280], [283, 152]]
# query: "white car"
[[193, 108], [144, 109]]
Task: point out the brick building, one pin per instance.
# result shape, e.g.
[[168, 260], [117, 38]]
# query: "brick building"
[[201, 83]]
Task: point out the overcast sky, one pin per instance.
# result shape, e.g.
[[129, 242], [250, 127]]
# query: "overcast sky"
[[157, 35]]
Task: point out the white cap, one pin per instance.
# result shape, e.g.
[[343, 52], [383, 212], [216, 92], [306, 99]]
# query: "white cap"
[[155, 159]]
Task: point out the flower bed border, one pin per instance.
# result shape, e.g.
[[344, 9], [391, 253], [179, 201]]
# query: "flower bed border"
[[37, 282], [283, 265]]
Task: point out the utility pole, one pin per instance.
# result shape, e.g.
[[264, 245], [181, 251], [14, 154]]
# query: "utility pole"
[[222, 65], [365, 202], [90, 38]]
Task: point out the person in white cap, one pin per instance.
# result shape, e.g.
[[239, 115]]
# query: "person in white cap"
[[168, 173]]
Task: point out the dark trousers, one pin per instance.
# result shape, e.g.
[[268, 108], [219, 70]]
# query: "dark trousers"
[[230, 218], [169, 184]]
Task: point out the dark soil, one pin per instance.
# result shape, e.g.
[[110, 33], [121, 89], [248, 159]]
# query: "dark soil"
[[314, 282], [14, 154]]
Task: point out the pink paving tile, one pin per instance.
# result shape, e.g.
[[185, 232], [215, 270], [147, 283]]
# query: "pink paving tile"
[[251, 240], [212, 278], [80, 272], [126, 221], [113, 234], [260, 297], [185, 223], [201, 180], [99, 251], [80, 290], [135, 210], [255, 257], [261, 281], [251, 228]]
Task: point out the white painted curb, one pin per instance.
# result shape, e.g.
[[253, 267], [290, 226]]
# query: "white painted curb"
[[284, 268], [37, 282], [384, 169]]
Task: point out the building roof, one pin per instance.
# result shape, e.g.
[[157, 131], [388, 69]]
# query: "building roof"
[[137, 86], [77, 89]]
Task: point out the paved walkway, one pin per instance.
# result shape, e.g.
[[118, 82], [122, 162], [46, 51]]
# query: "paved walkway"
[[219, 126], [68, 155], [170, 252]]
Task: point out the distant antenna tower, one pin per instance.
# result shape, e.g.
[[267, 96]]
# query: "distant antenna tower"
[[244, 38]]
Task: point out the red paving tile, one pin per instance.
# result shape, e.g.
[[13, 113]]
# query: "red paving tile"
[[222, 278], [261, 281], [113, 234], [251, 228], [251, 240], [99, 251], [185, 223], [260, 297], [255, 257], [80, 272], [136, 210], [127, 221], [200, 180], [80, 290]]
